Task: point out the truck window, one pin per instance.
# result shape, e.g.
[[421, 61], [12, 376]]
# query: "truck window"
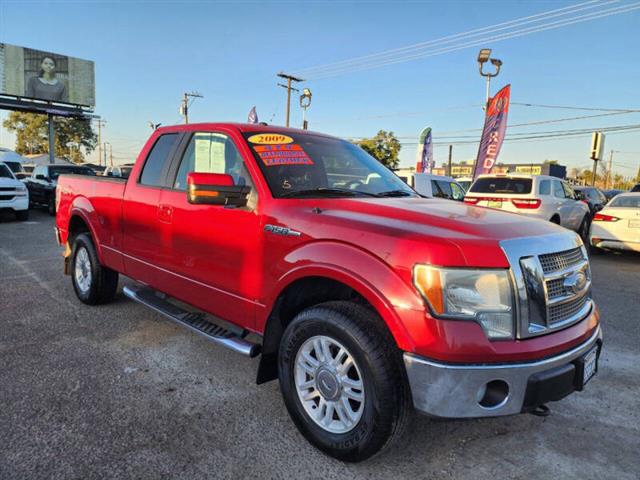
[[545, 187], [154, 166], [211, 153], [445, 188]]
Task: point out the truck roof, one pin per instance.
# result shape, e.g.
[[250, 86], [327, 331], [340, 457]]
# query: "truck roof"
[[241, 127]]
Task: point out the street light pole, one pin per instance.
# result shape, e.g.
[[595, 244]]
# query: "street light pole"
[[305, 102], [484, 57]]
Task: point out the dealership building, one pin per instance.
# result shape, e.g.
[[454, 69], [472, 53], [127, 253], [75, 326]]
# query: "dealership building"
[[465, 170]]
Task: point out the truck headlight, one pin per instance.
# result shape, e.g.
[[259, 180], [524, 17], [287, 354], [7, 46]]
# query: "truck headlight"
[[482, 296], [21, 191]]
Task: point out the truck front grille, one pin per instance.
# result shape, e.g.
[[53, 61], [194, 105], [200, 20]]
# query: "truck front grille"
[[552, 280], [553, 262]]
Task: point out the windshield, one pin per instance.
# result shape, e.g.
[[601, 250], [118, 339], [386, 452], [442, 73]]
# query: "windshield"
[[4, 171], [14, 166], [296, 165], [502, 185], [625, 201], [55, 172]]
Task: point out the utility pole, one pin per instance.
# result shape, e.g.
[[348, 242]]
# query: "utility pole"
[[450, 158], [111, 155], [101, 123], [52, 139], [606, 181], [289, 79], [105, 153], [185, 104]]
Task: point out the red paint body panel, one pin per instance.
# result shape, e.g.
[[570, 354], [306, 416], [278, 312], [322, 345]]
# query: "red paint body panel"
[[222, 261]]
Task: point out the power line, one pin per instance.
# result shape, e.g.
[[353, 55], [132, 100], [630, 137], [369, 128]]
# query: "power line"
[[340, 70], [443, 40], [565, 107]]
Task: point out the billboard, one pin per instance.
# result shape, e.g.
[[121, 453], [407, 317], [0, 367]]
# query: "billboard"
[[35, 74]]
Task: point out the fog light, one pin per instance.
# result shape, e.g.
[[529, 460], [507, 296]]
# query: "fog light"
[[493, 394]]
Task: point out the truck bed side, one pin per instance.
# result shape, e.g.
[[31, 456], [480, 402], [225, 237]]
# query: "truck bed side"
[[94, 204]]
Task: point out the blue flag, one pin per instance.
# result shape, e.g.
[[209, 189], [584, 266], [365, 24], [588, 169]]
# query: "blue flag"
[[426, 162]]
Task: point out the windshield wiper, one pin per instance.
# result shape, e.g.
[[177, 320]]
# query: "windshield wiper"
[[395, 193], [326, 191]]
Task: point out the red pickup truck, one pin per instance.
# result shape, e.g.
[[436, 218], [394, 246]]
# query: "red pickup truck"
[[363, 298]]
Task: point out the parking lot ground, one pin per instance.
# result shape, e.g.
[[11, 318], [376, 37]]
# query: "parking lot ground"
[[118, 392]]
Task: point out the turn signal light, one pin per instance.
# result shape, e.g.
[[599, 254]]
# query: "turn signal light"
[[601, 217], [471, 200], [526, 203]]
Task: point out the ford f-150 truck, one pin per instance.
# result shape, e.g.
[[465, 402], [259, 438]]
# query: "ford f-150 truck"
[[364, 299]]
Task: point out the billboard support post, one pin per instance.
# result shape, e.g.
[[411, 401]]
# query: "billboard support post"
[[52, 139]]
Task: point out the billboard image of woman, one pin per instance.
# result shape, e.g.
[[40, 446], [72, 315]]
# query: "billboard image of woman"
[[46, 85]]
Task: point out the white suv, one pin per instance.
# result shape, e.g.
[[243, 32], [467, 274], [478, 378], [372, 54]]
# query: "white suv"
[[540, 196], [13, 194]]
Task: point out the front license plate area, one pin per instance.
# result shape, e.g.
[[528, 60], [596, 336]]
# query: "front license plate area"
[[587, 366]]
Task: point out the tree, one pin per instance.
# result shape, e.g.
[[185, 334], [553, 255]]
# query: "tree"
[[73, 135], [384, 147]]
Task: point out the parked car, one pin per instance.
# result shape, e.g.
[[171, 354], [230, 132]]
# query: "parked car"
[[122, 171], [539, 196], [464, 182], [593, 196], [43, 181], [13, 194], [617, 226], [636, 188], [611, 193], [437, 186], [366, 298]]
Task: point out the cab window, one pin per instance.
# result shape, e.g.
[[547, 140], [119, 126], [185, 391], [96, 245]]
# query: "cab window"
[[209, 152], [154, 167]]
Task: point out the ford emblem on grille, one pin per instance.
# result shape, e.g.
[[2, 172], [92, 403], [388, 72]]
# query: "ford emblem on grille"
[[575, 282]]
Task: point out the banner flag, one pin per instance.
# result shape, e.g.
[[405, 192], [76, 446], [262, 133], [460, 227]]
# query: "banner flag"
[[253, 116], [426, 163], [495, 126]]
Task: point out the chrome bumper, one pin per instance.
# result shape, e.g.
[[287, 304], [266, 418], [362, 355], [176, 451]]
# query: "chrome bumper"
[[457, 391]]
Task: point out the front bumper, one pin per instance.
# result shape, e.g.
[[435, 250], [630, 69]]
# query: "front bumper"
[[17, 203], [469, 391]]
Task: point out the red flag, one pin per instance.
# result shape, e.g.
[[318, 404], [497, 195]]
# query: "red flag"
[[495, 126]]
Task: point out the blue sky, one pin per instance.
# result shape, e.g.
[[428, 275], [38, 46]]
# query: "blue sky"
[[148, 53]]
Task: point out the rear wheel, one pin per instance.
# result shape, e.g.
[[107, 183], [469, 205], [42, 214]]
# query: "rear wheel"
[[342, 380], [22, 215], [93, 283]]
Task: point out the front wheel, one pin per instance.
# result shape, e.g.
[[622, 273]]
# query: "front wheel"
[[342, 380], [93, 283], [583, 230], [51, 205]]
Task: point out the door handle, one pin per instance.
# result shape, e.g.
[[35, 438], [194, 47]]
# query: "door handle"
[[165, 213]]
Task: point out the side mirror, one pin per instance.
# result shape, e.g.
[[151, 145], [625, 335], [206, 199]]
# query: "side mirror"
[[215, 189]]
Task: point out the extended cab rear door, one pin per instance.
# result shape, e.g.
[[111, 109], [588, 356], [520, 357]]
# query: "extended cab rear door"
[[141, 214]]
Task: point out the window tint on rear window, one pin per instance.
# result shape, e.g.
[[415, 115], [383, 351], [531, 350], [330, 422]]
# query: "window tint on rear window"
[[502, 185], [154, 166], [626, 201]]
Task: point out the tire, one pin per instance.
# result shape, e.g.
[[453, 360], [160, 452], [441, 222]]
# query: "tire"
[[382, 410], [22, 215], [583, 230], [51, 205], [93, 283]]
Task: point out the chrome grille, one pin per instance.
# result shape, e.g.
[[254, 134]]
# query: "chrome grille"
[[553, 262], [565, 311], [555, 288]]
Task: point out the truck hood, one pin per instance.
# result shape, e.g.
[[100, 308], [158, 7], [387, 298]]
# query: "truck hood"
[[449, 233]]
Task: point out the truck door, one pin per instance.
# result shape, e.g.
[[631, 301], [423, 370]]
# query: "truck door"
[[141, 214], [213, 252]]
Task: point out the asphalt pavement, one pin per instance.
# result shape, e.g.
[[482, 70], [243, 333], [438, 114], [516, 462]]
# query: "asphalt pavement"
[[116, 391]]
